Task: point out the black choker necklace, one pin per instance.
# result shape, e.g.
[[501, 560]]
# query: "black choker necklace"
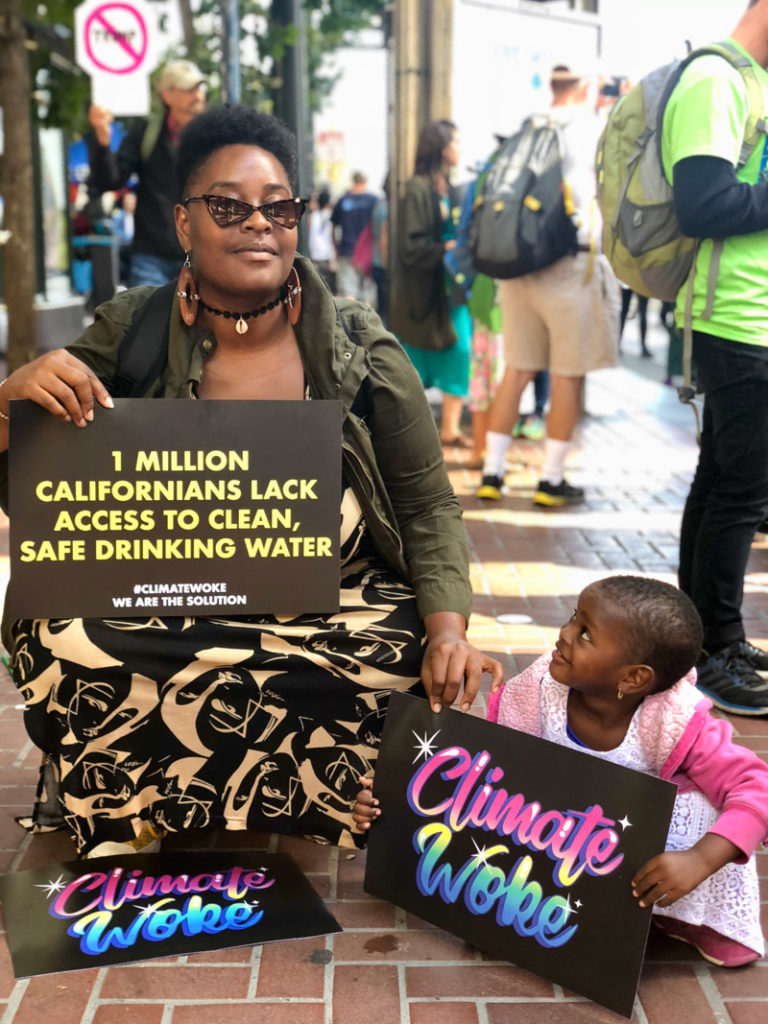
[[242, 318]]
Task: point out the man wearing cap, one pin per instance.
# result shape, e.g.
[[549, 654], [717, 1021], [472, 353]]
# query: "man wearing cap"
[[149, 151], [563, 318]]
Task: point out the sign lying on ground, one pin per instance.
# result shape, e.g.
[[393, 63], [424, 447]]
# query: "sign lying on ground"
[[167, 507], [521, 847], [117, 910], [117, 44]]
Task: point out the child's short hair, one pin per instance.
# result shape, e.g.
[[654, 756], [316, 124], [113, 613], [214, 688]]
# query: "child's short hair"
[[663, 628]]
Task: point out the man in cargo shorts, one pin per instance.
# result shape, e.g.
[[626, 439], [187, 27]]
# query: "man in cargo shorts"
[[563, 318]]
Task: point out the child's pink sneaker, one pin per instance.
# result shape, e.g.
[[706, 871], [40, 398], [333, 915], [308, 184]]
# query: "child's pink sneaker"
[[712, 945]]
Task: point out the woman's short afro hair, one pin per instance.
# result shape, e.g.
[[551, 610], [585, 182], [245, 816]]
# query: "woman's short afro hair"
[[231, 125]]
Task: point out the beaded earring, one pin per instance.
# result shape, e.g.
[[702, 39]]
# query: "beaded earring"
[[187, 291]]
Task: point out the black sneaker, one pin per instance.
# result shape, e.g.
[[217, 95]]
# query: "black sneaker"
[[754, 657], [557, 495], [490, 488], [731, 683]]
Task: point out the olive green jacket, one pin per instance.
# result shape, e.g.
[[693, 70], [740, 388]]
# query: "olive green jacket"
[[391, 456], [420, 312]]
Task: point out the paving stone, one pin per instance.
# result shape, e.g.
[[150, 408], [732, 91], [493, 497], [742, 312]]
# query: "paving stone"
[[476, 981], [360, 990], [294, 968], [248, 1013], [130, 1013], [443, 1013], [147, 981], [56, 997]]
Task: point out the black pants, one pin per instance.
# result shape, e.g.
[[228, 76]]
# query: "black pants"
[[729, 495]]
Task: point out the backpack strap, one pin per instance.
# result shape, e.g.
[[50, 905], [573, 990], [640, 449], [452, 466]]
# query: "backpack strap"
[[152, 133], [143, 352]]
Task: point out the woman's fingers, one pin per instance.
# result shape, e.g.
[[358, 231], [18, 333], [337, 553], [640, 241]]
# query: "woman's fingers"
[[61, 384], [450, 664]]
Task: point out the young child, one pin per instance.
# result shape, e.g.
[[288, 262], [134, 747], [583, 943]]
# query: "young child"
[[620, 685]]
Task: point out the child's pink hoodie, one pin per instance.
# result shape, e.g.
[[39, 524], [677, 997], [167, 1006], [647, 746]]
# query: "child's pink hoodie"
[[684, 743]]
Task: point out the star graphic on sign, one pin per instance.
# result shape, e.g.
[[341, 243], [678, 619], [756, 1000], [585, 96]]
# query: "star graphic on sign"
[[569, 909], [480, 855], [250, 906], [625, 823], [147, 911], [52, 887], [425, 747], [578, 904]]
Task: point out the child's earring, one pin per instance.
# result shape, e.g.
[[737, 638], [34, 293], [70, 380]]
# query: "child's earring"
[[620, 694]]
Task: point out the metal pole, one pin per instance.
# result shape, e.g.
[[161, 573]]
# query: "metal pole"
[[232, 52]]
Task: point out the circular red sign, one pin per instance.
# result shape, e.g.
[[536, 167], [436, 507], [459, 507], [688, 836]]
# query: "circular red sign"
[[100, 30]]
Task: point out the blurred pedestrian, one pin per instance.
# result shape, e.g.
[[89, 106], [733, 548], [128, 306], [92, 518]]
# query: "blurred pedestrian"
[[321, 250], [149, 151], [351, 216], [642, 314], [380, 257], [563, 318], [429, 311], [123, 225]]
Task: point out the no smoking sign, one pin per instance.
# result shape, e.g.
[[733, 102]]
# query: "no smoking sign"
[[116, 43]]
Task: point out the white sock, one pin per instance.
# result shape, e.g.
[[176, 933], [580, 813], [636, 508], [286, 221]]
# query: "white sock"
[[495, 452], [554, 459]]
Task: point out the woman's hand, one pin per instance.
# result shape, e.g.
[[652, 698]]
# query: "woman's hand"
[[671, 875], [366, 808], [60, 383], [450, 660]]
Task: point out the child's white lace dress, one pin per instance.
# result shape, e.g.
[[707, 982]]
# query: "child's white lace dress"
[[729, 900]]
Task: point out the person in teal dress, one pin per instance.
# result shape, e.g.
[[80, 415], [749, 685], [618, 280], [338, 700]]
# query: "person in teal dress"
[[429, 312]]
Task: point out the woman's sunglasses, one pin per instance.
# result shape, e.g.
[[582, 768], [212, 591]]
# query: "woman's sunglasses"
[[225, 211]]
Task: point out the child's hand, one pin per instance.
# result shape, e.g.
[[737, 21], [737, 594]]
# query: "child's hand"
[[366, 808], [664, 879]]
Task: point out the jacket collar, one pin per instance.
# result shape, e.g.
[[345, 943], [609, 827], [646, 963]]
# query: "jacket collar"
[[334, 370]]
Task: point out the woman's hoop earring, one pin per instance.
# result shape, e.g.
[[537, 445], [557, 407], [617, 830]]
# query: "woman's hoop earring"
[[187, 292], [620, 694], [292, 298]]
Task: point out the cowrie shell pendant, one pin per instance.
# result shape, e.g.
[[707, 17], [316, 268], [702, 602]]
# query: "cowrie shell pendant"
[[241, 326]]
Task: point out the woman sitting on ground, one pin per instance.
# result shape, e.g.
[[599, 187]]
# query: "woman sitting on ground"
[[259, 722]]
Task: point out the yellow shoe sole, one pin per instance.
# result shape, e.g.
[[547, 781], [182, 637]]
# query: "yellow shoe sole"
[[488, 492], [550, 500]]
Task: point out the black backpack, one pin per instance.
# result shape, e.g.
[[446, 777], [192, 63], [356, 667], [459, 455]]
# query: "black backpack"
[[522, 216]]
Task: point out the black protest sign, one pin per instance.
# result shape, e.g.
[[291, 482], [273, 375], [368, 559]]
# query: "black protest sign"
[[117, 910], [521, 847], [168, 507]]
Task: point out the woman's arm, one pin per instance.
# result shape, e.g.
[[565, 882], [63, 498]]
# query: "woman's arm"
[[428, 516]]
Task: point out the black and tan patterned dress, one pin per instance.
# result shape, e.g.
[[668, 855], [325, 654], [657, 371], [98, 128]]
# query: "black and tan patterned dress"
[[257, 722]]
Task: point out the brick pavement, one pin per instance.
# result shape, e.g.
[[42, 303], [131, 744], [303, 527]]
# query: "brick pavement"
[[636, 459]]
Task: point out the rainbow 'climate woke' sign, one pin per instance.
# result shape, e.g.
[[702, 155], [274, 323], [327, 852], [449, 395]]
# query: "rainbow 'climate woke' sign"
[[111, 910], [521, 847]]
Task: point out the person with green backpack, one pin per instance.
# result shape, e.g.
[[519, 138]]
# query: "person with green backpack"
[[714, 150]]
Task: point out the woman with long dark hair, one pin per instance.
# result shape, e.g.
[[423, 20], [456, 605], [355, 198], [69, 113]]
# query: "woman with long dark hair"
[[429, 311]]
